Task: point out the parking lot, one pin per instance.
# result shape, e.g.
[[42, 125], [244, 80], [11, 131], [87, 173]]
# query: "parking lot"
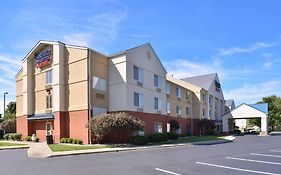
[[247, 155]]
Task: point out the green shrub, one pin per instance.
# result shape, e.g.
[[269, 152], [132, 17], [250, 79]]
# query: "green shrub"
[[80, 142], [63, 140], [172, 136], [139, 140], [74, 141], [17, 136], [69, 140], [183, 135], [6, 136], [28, 138], [158, 137]]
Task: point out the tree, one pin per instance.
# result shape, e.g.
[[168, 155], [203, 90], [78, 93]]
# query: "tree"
[[10, 112], [206, 126], [8, 126], [106, 124], [274, 112], [174, 125]]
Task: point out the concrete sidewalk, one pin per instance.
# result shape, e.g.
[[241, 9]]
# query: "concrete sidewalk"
[[39, 150]]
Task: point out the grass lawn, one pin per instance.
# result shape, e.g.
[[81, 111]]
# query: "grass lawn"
[[61, 147], [193, 139], [4, 144]]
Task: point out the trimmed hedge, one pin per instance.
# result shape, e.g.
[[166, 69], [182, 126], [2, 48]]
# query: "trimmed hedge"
[[12, 136], [71, 141], [139, 140], [158, 137], [172, 135]]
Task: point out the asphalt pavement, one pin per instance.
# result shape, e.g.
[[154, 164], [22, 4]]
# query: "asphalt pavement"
[[246, 155]]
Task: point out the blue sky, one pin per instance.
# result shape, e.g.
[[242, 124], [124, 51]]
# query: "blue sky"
[[241, 40]]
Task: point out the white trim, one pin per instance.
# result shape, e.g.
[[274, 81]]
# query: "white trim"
[[165, 171], [265, 155], [257, 161]]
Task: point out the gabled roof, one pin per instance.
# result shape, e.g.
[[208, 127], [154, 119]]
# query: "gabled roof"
[[137, 47], [204, 81], [263, 107]]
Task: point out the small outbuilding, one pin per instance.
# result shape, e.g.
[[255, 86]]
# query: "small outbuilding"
[[247, 111]]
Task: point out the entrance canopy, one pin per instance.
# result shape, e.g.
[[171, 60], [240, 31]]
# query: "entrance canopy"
[[247, 111]]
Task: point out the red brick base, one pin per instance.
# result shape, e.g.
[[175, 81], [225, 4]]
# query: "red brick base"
[[66, 124]]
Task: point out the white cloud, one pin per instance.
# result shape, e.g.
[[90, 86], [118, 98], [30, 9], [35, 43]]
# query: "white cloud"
[[10, 60], [234, 50], [7, 82], [182, 68], [81, 39], [252, 93]]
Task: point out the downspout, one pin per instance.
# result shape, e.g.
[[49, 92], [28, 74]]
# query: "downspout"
[[89, 94]]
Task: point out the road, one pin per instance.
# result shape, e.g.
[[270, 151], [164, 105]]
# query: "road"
[[247, 155]]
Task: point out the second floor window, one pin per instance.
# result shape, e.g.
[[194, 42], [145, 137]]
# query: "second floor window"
[[168, 107], [99, 83], [138, 74], [178, 92], [178, 110], [168, 89], [187, 111], [157, 81], [157, 103], [49, 101], [138, 100], [49, 77]]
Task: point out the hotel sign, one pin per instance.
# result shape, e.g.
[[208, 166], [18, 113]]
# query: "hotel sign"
[[43, 58]]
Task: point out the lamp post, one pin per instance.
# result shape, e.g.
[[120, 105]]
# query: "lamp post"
[[5, 93]]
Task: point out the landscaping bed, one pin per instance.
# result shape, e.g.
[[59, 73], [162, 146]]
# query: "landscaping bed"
[[192, 139], [63, 147]]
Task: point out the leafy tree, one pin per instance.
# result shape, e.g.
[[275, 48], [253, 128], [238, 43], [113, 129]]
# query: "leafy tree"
[[8, 126], [206, 126], [274, 112], [10, 112], [174, 125], [106, 124]]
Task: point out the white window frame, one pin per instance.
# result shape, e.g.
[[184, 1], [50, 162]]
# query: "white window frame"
[[99, 83], [157, 103], [168, 106], [140, 99], [178, 92], [140, 74], [49, 77], [158, 127], [51, 128], [49, 101], [178, 110], [187, 112], [157, 81], [168, 88]]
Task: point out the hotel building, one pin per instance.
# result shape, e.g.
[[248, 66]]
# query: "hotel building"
[[61, 87]]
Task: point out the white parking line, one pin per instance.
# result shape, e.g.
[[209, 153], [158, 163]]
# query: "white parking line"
[[237, 169], [266, 155], [257, 161], [165, 171], [273, 150]]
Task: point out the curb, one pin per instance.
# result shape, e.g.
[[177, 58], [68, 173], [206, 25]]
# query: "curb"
[[14, 147], [96, 151]]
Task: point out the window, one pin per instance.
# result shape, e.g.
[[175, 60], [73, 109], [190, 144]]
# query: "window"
[[203, 112], [187, 111], [157, 127], [49, 101], [139, 133], [98, 110], [138, 99], [203, 97], [187, 95], [99, 83], [138, 74], [168, 88], [168, 107], [210, 99], [157, 103], [178, 92], [157, 81], [178, 110], [210, 113], [49, 77]]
